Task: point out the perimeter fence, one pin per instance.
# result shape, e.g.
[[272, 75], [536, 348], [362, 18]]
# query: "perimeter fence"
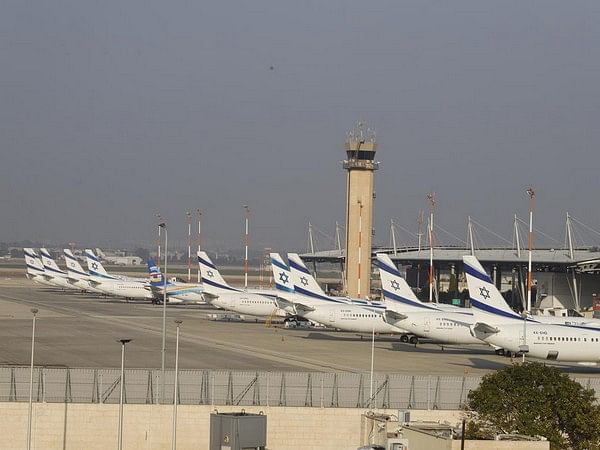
[[258, 388]]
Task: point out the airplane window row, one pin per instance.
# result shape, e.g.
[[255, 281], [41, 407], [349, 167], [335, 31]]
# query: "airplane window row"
[[363, 315], [567, 339]]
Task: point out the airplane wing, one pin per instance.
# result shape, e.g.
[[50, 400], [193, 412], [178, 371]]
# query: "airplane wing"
[[283, 303], [484, 328], [300, 307], [392, 317], [209, 297]]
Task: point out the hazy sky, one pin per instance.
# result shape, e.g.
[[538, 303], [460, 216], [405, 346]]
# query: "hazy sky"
[[113, 110]]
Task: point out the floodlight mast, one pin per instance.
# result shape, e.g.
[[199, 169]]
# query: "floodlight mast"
[[531, 193]]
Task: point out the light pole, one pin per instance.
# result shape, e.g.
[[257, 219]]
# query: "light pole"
[[122, 383], [34, 311], [157, 215], [164, 313], [199, 239], [247, 218], [431, 198], [189, 217], [530, 192], [176, 388], [372, 367]]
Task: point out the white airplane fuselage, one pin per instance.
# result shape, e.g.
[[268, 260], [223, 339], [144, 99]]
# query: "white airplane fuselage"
[[349, 317], [61, 281], [552, 342], [181, 293], [126, 289], [440, 326], [247, 303], [40, 278], [83, 284]]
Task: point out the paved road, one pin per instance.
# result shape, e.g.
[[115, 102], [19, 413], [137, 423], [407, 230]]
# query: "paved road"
[[79, 330]]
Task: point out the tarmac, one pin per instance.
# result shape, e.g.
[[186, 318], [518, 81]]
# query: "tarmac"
[[82, 330]]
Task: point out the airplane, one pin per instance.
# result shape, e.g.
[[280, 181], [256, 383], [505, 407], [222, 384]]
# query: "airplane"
[[97, 270], [309, 287], [384, 262], [76, 276], [134, 290], [497, 305], [53, 273], [426, 320], [176, 292], [499, 325], [301, 295], [116, 286], [219, 293], [35, 268]]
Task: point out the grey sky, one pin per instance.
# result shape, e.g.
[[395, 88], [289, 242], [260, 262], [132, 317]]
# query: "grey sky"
[[472, 99]]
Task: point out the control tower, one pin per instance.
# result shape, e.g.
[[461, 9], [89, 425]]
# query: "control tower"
[[360, 164]]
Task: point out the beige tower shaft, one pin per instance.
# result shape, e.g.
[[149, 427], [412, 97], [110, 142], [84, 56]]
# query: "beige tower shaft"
[[359, 212]]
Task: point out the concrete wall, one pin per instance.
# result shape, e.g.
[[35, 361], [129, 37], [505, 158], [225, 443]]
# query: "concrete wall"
[[94, 426]]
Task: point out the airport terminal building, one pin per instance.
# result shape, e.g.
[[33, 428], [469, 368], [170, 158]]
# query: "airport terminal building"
[[562, 278]]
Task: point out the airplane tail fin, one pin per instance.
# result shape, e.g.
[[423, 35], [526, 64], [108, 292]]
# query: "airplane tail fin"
[[212, 280], [49, 263], [281, 273], [33, 262], [304, 282], [396, 289], [486, 300], [73, 267], [156, 276], [94, 265]]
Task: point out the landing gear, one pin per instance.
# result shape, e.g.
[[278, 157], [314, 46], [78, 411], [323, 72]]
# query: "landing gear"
[[414, 340], [499, 351], [404, 338]]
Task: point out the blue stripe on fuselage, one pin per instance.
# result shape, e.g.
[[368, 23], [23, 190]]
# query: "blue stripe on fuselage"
[[220, 286], [407, 301], [498, 312]]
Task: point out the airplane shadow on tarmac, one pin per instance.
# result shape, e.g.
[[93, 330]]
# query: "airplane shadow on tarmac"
[[575, 370], [337, 336], [434, 348], [480, 363]]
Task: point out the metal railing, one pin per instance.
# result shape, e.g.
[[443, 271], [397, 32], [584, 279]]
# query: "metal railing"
[[222, 387]]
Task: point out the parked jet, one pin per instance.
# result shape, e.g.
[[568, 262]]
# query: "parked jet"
[[97, 270], [219, 293], [35, 268], [306, 284], [176, 292], [76, 276], [496, 305], [130, 288], [53, 273], [425, 320], [300, 294], [500, 326]]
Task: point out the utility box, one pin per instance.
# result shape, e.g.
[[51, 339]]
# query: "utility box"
[[238, 431]]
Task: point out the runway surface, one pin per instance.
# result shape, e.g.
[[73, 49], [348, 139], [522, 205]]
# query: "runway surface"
[[80, 330]]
